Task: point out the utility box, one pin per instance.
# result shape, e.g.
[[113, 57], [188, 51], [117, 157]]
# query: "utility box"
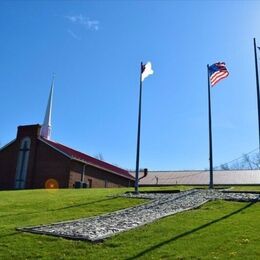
[[77, 184], [80, 184]]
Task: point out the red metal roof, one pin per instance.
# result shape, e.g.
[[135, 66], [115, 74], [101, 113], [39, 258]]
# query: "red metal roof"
[[73, 154]]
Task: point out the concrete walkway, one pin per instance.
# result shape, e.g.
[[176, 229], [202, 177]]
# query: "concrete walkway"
[[98, 228]]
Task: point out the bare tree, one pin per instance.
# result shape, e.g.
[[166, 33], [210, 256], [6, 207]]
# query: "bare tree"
[[256, 161], [224, 167], [99, 156], [246, 162]]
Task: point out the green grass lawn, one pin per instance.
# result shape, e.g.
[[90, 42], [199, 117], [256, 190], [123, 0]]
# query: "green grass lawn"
[[217, 230], [246, 188]]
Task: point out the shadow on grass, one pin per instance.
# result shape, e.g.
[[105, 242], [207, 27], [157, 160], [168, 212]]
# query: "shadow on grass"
[[83, 204], [63, 208], [148, 250], [9, 235]]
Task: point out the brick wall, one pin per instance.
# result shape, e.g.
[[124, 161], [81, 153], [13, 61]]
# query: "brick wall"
[[99, 178], [50, 164], [44, 162], [8, 159], [47, 163]]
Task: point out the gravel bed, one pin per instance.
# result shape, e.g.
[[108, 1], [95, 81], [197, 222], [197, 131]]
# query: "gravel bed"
[[161, 205]]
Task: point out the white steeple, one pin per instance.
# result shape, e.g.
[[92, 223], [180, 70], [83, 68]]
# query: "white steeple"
[[46, 126]]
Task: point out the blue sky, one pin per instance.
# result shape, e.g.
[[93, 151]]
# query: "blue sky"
[[95, 49]]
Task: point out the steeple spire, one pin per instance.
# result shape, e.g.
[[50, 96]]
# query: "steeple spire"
[[46, 126]]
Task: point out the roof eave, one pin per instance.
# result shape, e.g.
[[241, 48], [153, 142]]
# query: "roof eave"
[[5, 146], [102, 168], [53, 147], [86, 162]]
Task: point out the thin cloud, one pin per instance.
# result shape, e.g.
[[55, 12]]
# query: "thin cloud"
[[75, 36], [80, 19]]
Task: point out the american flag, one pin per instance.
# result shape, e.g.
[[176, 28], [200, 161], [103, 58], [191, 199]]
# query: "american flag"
[[217, 72]]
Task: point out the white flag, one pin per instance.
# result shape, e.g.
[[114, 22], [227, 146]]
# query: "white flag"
[[146, 70]]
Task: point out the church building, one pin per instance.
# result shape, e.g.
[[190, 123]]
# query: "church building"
[[34, 161]]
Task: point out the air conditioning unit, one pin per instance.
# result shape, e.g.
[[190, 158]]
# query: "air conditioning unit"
[[79, 184]]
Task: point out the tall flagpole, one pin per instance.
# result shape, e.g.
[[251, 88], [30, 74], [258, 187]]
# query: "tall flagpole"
[[138, 133], [257, 90], [210, 136]]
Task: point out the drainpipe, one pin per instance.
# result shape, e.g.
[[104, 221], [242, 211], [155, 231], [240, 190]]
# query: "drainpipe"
[[83, 173]]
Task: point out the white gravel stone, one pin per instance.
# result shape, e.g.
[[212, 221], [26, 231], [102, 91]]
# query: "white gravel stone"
[[161, 205]]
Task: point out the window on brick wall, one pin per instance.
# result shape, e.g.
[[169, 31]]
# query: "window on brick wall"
[[22, 163]]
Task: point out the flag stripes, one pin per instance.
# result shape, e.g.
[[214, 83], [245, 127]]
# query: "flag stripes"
[[217, 76], [217, 72]]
